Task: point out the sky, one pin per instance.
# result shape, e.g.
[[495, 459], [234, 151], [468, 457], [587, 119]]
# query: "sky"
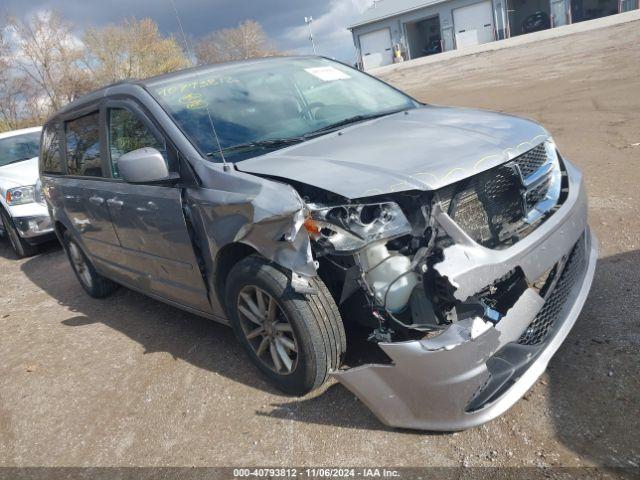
[[283, 20]]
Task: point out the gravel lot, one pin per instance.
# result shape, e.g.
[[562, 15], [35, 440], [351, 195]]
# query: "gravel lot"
[[130, 381]]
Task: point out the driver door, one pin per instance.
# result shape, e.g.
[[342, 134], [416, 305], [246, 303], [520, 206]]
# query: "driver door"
[[156, 251]]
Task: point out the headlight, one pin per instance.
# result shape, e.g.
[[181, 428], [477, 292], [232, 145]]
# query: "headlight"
[[21, 195], [349, 228]]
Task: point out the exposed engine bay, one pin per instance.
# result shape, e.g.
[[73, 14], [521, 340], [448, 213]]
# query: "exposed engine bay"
[[387, 250], [469, 290]]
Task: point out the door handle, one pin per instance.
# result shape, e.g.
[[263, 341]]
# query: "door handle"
[[96, 201], [112, 202]]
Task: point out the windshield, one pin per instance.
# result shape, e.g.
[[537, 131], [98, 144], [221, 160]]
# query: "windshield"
[[19, 147], [276, 102]]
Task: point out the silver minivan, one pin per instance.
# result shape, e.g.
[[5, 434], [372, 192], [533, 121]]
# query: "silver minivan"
[[289, 197]]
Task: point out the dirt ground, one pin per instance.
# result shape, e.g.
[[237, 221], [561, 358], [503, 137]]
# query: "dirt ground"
[[129, 381]]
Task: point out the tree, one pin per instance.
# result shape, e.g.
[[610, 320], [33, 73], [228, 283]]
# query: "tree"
[[247, 40], [9, 116], [134, 49], [5, 54], [48, 54], [18, 98]]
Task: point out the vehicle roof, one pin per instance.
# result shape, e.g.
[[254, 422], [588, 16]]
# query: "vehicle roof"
[[219, 66], [137, 83], [22, 131]]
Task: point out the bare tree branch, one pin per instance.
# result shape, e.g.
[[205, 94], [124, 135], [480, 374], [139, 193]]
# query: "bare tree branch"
[[247, 40], [48, 53], [134, 49]]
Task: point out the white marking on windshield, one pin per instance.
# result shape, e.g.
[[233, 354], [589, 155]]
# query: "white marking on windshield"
[[327, 74]]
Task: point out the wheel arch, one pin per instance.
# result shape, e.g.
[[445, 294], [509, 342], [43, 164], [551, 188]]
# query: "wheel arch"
[[59, 228], [3, 209], [226, 259]]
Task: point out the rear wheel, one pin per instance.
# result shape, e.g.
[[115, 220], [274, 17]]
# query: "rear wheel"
[[295, 340], [93, 283], [20, 246]]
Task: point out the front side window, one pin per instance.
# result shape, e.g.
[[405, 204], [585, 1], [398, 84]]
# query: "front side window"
[[50, 151], [275, 99], [19, 147], [126, 134], [83, 146]]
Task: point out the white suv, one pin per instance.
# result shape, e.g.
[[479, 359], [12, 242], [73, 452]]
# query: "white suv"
[[25, 218]]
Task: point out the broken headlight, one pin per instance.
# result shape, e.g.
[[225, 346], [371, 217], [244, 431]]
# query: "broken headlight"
[[349, 228]]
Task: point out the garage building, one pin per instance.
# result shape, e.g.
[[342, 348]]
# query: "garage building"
[[417, 28]]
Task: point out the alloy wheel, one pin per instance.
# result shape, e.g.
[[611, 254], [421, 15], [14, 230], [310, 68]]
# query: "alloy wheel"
[[80, 264], [267, 329]]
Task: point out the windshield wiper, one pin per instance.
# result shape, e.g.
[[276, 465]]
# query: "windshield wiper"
[[269, 143], [349, 121], [276, 143]]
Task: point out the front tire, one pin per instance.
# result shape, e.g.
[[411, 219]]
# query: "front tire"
[[295, 340], [19, 245], [93, 283]]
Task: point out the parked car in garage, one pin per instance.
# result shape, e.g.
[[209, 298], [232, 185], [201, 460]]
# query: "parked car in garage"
[[25, 218], [287, 196], [535, 22]]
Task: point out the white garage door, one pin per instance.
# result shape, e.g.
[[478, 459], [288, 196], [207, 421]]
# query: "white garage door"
[[376, 49], [473, 24]]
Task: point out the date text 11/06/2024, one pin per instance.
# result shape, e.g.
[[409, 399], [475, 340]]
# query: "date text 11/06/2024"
[[315, 473]]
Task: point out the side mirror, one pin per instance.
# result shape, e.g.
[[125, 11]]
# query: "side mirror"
[[145, 165]]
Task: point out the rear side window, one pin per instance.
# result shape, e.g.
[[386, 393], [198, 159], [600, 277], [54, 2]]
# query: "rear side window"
[[50, 151], [83, 146], [127, 132]]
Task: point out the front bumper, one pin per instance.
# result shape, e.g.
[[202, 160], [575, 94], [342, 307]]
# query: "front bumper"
[[467, 376], [35, 229], [32, 222]]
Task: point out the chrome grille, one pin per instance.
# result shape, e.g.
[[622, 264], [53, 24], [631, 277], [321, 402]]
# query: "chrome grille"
[[532, 160], [471, 213], [488, 204], [500, 206], [537, 193]]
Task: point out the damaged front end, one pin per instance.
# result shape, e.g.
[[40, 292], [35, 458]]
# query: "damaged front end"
[[471, 288]]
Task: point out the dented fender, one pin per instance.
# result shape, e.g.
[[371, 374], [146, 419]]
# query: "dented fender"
[[238, 208]]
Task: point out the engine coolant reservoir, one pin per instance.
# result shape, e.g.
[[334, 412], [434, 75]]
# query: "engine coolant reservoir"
[[383, 276]]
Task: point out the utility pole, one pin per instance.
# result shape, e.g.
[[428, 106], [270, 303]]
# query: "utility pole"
[[309, 21]]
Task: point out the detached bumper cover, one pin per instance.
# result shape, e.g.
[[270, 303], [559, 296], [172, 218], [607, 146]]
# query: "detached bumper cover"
[[472, 373]]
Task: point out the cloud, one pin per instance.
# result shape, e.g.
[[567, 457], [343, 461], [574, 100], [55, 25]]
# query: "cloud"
[[330, 30], [283, 20]]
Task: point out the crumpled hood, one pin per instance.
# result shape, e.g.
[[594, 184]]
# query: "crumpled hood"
[[426, 149], [19, 174]]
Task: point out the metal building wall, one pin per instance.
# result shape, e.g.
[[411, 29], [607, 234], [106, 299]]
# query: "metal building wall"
[[444, 11]]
